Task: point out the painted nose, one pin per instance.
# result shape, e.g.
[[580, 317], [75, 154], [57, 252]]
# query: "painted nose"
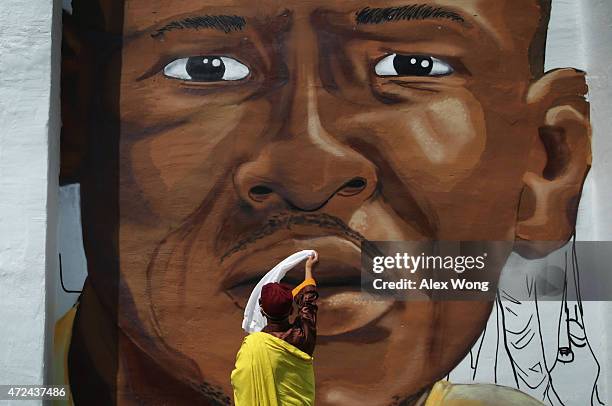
[[281, 178], [305, 166]]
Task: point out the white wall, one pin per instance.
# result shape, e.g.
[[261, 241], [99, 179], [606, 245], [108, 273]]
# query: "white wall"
[[29, 157], [70, 245]]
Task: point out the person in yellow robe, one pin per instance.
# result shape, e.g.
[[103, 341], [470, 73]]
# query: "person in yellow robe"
[[275, 366]]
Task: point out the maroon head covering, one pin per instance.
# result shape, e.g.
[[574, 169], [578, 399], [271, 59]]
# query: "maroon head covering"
[[276, 300]]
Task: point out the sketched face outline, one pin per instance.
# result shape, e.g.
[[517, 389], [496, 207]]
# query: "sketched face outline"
[[249, 133]]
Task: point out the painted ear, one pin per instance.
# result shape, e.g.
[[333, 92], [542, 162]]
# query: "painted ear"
[[559, 160]]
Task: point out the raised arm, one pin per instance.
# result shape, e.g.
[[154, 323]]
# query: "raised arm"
[[305, 296], [308, 278]]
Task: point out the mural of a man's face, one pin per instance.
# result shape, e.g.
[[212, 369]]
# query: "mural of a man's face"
[[250, 130]]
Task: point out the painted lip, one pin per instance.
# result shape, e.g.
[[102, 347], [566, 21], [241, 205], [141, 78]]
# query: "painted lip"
[[343, 308]]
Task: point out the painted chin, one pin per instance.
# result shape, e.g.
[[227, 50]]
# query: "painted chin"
[[343, 308]]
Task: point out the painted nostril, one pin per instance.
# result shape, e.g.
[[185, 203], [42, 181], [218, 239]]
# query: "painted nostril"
[[260, 193], [353, 187]]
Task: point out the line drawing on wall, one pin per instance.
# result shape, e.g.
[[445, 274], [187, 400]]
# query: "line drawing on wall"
[[519, 339]]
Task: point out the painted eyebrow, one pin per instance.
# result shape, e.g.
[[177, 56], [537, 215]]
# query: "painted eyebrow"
[[225, 23], [405, 13]]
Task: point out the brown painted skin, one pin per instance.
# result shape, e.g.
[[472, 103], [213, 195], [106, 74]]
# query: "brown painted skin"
[[449, 158]]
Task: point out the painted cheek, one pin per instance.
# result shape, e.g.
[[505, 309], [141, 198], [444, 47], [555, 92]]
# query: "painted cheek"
[[176, 169], [159, 101], [442, 142], [456, 129]]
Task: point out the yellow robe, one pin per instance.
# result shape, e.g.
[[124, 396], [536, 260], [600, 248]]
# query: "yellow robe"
[[272, 372]]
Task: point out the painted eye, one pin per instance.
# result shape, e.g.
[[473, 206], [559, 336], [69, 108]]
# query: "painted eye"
[[206, 69], [412, 65]]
